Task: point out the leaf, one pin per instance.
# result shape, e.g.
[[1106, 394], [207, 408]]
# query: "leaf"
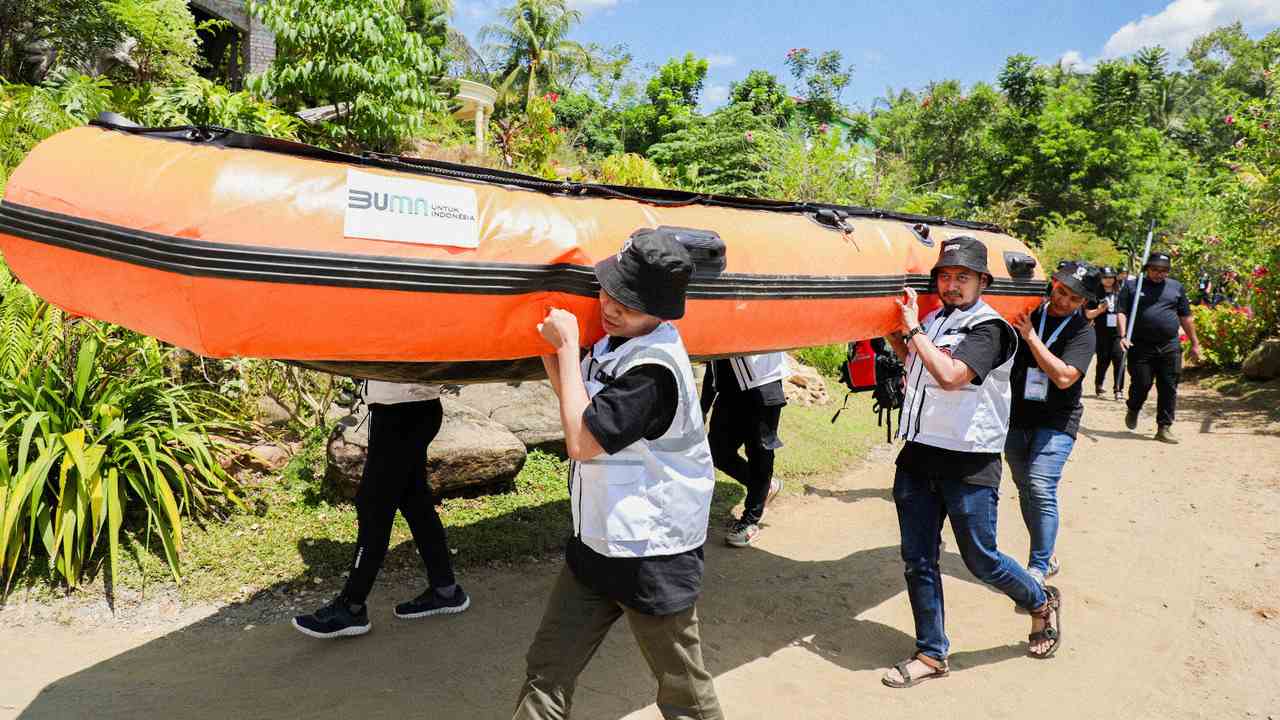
[[115, 519], [84, 367]]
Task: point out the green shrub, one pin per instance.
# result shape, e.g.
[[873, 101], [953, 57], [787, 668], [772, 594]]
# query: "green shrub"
[[95, 437], [826, 358], [1227, 334]]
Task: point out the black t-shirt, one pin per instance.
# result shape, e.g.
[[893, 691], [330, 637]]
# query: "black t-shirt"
[[1061, 409], [720, 380], [987, 346], [1100, 324], [640, 403], [1159, 308]]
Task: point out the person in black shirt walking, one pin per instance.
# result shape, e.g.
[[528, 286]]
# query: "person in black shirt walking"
[[745, 398], [1155, 353], [1105, 314], [1047, 379]]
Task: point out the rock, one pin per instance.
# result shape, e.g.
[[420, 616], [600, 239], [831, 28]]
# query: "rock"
[[529, 410], [265, 458], [470, 451], [272, 413], [1264, 362], [806, 385]]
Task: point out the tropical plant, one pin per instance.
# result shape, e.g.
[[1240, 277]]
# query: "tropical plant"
[[166, 47], [1227, 334], [29, 114], [528, 141], [531, 45], [96, 438], [824, 78], [630, 169], [726, 152], [361, 57], [198, 101]]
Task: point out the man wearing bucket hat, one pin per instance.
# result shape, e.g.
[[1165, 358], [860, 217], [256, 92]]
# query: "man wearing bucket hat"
[[955, 419], [1105, 314], [1048, 379], [640, 487], [1155, 352]]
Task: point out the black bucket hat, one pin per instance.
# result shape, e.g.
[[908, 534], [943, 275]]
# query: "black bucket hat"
[[650, 273], [1158, 260], [1108, 271], [966, 252], [1082, 279]]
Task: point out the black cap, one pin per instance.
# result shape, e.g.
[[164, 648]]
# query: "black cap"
[[1158, 260], [1108, 271], [1062, 264], [963, 251], [650, 273], [1082, 279]]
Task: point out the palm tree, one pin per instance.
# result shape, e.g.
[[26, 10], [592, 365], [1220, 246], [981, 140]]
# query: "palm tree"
[[530, 44]]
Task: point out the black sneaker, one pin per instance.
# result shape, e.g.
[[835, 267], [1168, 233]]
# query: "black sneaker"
[[337, 619], [1131, 419], [432, 603]]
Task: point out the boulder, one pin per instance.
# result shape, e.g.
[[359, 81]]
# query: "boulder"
[[806, 385], [272, 413], [529, 410], [1264, 362], [471, 451]]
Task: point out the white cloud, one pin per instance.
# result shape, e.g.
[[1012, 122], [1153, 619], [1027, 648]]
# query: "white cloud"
[[715, 95], [716, 61], [1182, 21], [1074, 60]]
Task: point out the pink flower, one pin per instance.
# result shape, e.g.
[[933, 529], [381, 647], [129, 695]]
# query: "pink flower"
[[751, 137], [1230, 119], [1260, 271], [823, 128]]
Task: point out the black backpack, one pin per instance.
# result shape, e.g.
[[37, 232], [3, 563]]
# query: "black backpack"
[[873, 365]]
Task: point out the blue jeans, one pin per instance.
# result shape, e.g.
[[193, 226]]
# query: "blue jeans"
[[1036, 457], [923, 504]]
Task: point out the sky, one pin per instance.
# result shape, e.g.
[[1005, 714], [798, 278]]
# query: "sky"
[[896, 44]]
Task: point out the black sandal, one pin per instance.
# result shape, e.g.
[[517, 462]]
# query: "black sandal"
[[941, 671], [1052, 608]]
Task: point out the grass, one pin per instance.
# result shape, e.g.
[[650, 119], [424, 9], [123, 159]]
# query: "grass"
[[295, 537], [826, 358], [1263, 395]]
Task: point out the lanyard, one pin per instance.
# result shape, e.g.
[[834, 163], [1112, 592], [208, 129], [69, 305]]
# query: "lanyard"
[[1044, 313]]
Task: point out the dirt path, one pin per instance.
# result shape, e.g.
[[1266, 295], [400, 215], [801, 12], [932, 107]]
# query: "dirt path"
[[1170, 570]]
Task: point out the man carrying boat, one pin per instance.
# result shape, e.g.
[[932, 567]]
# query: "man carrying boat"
[[955, 420], [640, 488], [745, 397]]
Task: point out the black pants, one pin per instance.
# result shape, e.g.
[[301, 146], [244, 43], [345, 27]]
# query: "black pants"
[[1110, 354], [738, 419], [395, 477], [1161, 364]]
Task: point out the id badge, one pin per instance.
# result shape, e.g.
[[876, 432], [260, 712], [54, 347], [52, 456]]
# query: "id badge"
[[1111, 320], [1037, 387]]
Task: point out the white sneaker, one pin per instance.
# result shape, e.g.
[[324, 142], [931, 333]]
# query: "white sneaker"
[[742, 534]]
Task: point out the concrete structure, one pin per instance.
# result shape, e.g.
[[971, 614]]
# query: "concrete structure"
[[259, 46], [477, 105]]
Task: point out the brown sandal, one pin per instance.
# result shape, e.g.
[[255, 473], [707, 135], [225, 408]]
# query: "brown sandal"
[[939, 671], [1052, 632]]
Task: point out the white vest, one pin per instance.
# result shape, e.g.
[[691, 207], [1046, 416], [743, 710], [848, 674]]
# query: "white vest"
[[377, 392], [974, 418], [653, 496], [752, 371]]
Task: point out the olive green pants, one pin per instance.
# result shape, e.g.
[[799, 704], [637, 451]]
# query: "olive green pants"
[[576, 622]]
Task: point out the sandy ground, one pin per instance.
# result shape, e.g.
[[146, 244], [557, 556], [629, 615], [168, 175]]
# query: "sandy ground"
[[1171, 562]]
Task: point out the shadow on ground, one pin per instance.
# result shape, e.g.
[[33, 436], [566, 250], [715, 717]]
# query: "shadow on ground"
[[471, 665]]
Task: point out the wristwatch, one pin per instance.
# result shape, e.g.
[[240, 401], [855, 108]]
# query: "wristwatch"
[[917, 330]]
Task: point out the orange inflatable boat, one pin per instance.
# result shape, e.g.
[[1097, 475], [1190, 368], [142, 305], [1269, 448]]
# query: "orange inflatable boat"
[[377, 266]]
